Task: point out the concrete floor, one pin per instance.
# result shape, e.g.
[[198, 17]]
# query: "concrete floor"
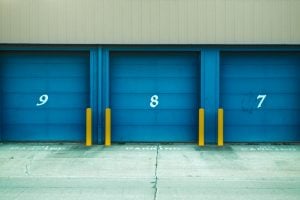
[[149, 171]]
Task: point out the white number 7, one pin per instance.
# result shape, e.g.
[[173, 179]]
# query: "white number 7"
[[262, 98]]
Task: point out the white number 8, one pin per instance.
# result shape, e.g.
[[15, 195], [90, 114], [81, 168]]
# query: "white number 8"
[[43, 99], [154, 101]]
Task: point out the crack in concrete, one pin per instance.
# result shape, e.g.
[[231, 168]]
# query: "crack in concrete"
[[27, 168], [156, 163]]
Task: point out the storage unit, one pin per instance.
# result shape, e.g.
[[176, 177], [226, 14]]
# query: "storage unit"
[[154, 63], [154, 96], [43, 95], [260, 94], [154, 92]]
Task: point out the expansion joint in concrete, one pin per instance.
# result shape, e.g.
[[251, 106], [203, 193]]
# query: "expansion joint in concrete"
[[155, 175]]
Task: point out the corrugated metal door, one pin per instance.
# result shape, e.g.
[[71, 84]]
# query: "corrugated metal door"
[[154, 96], [260, 94], [44, 95]]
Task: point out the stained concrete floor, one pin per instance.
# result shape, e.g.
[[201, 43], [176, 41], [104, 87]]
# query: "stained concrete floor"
[[149, 171]]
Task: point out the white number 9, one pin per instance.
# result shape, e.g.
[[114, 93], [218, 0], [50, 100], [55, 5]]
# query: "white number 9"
[[43, 99]]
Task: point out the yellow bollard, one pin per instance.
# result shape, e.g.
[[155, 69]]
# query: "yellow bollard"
[[88, 134], [220, 127], [201, 127], [107, 127]]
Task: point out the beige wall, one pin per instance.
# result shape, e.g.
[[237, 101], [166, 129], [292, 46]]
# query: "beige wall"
[[150, 21]]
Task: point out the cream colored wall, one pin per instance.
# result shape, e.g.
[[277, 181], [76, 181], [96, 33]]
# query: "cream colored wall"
[[150, 21]]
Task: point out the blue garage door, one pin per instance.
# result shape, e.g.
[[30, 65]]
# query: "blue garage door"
[[154, 96], [43, 95], [260, 94]]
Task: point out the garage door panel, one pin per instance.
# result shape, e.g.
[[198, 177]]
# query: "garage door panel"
[[156, 71], [260, 92], [254, 134], [42, 84], [258, 85], [255, 71], [250, 102], [147, 84], [57, 100], [64, 70], [18, 100], [164, 58], [13, 71], [260, 58], [146, 133], [42, 133], [44, 116], [136, 77], [63, 61], [51, 57], [155, 117], [24, 85], [13, 133], [267, 117], [142, 101], [67, 85], [25, 77]]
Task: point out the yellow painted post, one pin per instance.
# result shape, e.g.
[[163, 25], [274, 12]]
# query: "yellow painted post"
[[107, 127], [88, 133], [201, 127], [220, 127]]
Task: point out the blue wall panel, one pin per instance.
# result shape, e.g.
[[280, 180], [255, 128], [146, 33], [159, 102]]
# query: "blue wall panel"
[[244, 76], [210, 91], [136, 77], [94, 98], [25, 76]]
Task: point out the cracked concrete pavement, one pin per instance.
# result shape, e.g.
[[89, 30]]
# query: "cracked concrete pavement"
[[149, 171]]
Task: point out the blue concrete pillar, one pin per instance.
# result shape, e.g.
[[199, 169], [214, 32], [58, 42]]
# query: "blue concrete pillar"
[[94, 92], [210, 80], [104, 94]]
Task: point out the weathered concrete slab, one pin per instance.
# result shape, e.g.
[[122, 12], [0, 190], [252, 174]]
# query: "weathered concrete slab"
[[149, 171]]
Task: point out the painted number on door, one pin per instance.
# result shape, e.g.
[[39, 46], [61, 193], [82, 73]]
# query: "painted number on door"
[[154, 101], [42, 100], [261, 98]]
